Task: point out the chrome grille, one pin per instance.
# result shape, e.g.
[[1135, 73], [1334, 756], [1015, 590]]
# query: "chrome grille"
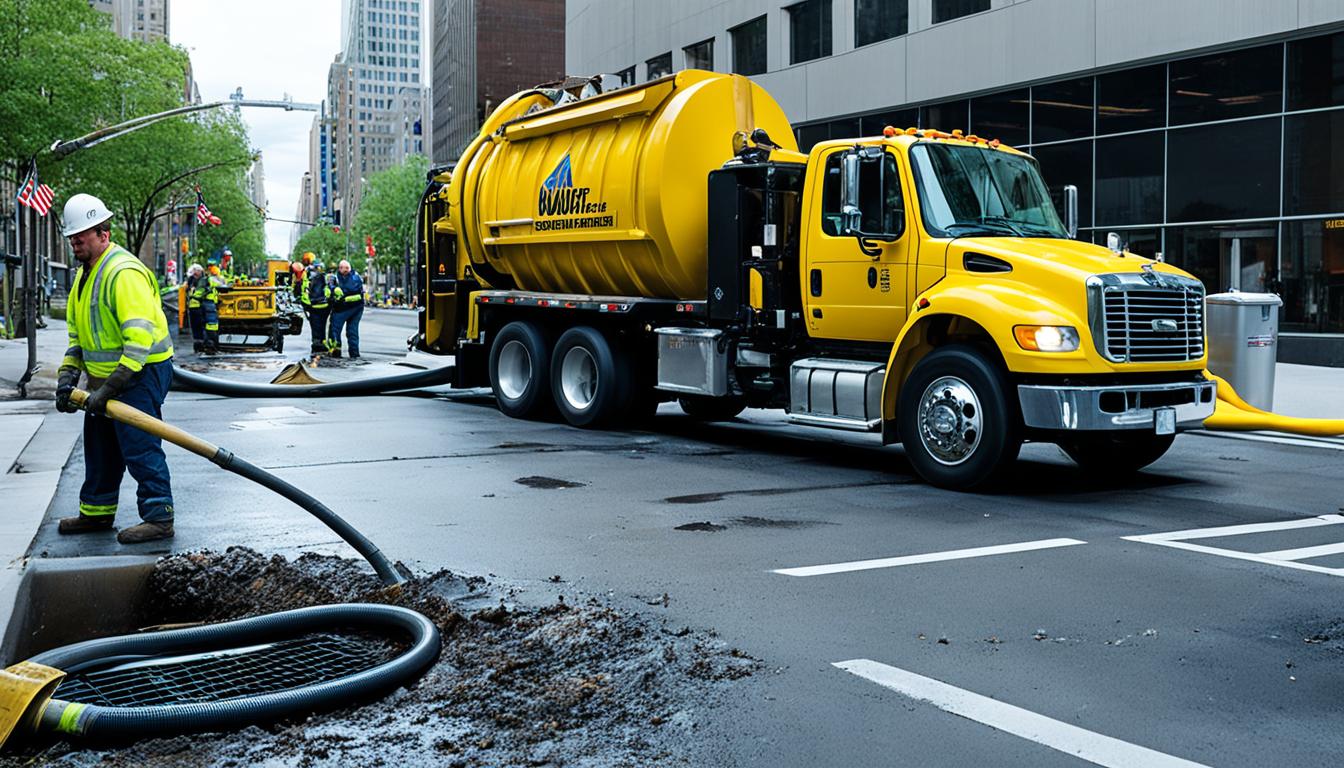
[[1141, 318]]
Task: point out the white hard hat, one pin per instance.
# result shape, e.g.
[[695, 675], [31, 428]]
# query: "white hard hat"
[[83, 212], [196, 268]]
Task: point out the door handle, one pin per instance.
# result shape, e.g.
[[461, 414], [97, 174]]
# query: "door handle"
[[816, 282]]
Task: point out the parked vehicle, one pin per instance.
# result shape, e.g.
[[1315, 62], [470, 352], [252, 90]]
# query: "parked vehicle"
[[594, 256]]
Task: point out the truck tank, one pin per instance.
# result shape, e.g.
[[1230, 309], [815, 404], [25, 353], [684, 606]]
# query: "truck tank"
[[606, 195]]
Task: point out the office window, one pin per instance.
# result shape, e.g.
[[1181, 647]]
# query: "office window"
[[1002, 116], [1129, 179], [1313, 163], [845, 129], [627, 76], [876, 20], [1311, 276], [749, 47], [659, 66], [1132, 100], [1061, 111], [1227, 85], [872, 125], [700, 55], [809, 30], [1063, 164], [809, 135], [1223, 171], [946, 10], [948, 116], [1316, 72]]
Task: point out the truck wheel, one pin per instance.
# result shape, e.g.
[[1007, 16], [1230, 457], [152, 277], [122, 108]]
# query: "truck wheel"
[[1115, 453], [712, 408], [519, 360], [590, 389], [958, 425]]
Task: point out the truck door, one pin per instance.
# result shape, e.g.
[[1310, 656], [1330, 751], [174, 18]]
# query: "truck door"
[[848, 294]]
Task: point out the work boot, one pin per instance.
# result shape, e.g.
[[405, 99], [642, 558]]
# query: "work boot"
[[197, 346], [85, 524], [143, 532], [335, 353]]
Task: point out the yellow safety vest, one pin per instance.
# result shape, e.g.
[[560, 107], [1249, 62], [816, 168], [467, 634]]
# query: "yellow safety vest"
[[116, 321]]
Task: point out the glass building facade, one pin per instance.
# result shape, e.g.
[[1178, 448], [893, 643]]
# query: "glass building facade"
[[1231, 164]]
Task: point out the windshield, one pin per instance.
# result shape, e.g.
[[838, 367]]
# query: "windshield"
[[974, 191]]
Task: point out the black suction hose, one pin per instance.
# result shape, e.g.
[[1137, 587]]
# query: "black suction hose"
[[372, 386], [225, 459], [127, 723]]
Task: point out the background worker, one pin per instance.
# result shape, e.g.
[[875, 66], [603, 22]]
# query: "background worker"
[[319, 305], [208, 290], [119, 337], [347, 308], [301, 286], [195, 314]]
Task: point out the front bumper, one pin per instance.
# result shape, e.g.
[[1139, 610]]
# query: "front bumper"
[[1117, 406]]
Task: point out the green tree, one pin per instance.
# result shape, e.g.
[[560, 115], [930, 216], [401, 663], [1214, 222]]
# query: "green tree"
[[325, 241], [387, 210], [241, 226]]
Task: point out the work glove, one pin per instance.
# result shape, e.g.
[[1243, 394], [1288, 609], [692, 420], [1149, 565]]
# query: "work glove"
[[337, 292], [65, 385], [112, 386]]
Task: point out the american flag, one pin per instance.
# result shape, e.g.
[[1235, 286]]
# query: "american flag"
[[202, 213], [36, 196]]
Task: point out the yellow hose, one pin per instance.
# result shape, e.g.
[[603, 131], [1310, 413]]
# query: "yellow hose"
[[1231, 413]]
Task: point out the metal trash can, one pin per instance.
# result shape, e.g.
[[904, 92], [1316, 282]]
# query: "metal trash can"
[[1243, 333]]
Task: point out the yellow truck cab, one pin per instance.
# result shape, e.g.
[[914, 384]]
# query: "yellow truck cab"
[[595, 255]]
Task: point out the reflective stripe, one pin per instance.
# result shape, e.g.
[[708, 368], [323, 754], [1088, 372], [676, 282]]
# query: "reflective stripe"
[[70, 717], [97, 510], [95, 296], [136, 322], [135, 352], [102, 355], [74, 352]]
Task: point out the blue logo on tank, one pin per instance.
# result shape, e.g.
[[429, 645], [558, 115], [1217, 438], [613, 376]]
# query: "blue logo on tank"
[[561, 177]]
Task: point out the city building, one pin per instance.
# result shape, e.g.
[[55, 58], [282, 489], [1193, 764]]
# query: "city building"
[[144, 20], [484, 52], [256, 184], [411, 124], [1212, 133], [380, 55]]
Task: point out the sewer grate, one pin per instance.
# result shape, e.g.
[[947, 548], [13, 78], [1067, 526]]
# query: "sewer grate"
[[227, 674]]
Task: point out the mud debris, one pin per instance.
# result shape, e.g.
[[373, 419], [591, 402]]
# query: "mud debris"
[[547, 483], [571, 682]]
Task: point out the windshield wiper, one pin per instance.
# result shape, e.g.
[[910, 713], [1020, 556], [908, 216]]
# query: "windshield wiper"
[[1040, 229], [986, 225]]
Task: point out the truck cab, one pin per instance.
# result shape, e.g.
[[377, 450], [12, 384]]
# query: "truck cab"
[[918, 285]]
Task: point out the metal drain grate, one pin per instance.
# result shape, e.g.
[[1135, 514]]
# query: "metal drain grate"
[[228, 674]]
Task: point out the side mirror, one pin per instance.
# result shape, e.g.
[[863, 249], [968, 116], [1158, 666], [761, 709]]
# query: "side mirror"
[[1071, 210], [859, 169], [851, 216]]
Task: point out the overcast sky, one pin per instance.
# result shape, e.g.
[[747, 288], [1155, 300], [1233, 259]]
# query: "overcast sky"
[[269, 48]]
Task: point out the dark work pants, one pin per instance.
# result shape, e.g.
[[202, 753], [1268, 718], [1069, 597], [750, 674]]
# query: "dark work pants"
[[196, 316], [111, 448], [347, 318], [317, 318], [211, 313]]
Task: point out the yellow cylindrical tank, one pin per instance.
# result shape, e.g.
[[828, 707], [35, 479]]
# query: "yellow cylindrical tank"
[[606, 195]]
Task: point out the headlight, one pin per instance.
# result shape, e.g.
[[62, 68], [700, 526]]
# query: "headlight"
[[1046, 338]]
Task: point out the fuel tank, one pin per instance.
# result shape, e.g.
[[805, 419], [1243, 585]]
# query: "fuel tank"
[[604, 195]]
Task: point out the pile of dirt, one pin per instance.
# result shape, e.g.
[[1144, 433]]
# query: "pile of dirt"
[[574, 682]]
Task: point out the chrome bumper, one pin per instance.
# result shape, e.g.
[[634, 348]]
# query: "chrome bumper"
[[1117, 406]]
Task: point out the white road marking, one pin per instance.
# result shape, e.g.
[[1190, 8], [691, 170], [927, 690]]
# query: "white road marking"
[[1282, 558], [1069, 739], [1305, 441], [1305, 553], [931, 557]]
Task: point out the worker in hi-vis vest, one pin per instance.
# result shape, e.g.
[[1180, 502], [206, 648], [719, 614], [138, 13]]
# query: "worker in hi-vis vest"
[[119, 337]]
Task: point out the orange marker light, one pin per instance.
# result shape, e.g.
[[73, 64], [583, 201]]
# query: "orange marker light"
[[889, 131]]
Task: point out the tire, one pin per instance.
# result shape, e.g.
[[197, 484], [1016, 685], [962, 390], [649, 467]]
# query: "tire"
[[959, 425], [712, 408], [590, 386], [520, 360], [1115, 452]]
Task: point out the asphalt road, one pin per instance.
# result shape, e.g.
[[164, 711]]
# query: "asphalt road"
[[1102, 645]]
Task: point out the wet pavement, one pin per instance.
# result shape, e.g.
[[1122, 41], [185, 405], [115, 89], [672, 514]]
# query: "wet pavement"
[[1180, 611]]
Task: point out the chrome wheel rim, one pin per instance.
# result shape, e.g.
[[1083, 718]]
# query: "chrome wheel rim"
[[578, 378], [514, 370], [950, 420]]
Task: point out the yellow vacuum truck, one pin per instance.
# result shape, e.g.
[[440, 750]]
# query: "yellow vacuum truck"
[[594, 253]]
